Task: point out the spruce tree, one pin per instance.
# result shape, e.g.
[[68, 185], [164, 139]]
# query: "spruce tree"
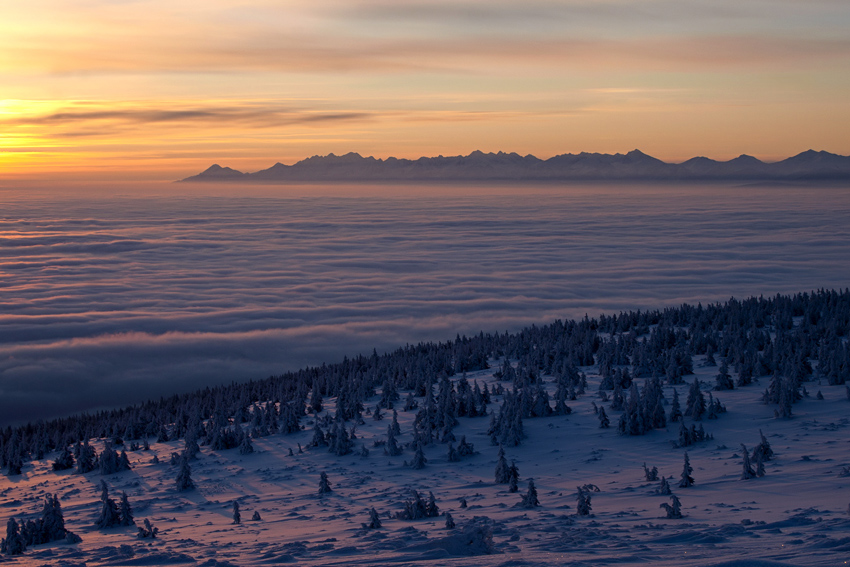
[[125, 511], [513, 477], [530, 499], [675, 408], [604, 421], [109, 515], [64, 461], [184, 474], [686, 478], [747, 471], [450, 523], [674, 509], [664, 488], [502, 469], [324, 484], [374, 521], [583, 506], [237, 517], [13, 544]]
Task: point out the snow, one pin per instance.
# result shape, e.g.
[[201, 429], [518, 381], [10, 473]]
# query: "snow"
[[796, 515]]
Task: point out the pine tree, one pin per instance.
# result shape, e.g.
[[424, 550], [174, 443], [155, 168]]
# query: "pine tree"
[[530, 499], [109, 515], [324, 484], [374, 520], [450, 523], [418, 461], [674, 509], [64, 461], [664, 488], [237, 517], [513, 477], [502, 470], [14, 543], [125, 511], [763, 449], [604, 422], [583, 506], [650, 474], [675, 408], [686, 478], [747, 471], [246, 447], [431, 509], [723, 381], [184, 474], [391, 448]]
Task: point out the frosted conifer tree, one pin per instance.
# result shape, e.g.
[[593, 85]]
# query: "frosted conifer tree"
[[64, 461], [391, 448], [513, 477], [246, 447], [450, 523], [13, 543], [237, 516], [686, 478], [723, 380], [324, 484], [583, 506], [674, 509], [530, 499], [184, 475], [374, 521], [664, 488], [125, 511], [675, 408], [502, 470], [604, 421], [418, 461], [109, 515], [763, 449], [747, 472]]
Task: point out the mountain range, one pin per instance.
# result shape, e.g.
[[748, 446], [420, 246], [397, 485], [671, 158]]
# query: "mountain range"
[[479, 166]]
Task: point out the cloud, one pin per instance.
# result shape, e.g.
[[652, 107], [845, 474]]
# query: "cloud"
[[110, 300]]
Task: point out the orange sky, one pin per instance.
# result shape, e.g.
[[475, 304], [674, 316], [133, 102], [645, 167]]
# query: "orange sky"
[[155, 89]]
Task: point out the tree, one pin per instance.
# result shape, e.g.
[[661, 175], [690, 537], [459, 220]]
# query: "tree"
[[246, 447], [763, 449], [723, 381], [674, 509], [675, 408], [450, 523], [126, 511], [604, 421], [324, 484], [650, 474], [747, 471], [374, 520], [13, 543], [530, 499], [184, 474], [686, 478], [391, 448], [664, 488], [237, 517], [64, 461], [418, 461], [583, 506], [148, 530], [502, 469], [109, 515], [513, 477]]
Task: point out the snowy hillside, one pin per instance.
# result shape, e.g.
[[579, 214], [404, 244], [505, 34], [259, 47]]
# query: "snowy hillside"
[[543, 412]]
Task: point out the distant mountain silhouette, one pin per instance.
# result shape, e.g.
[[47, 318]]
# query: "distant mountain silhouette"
[[478, 166]]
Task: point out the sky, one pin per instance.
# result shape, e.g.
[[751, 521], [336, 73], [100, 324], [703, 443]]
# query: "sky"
[[159, 89]]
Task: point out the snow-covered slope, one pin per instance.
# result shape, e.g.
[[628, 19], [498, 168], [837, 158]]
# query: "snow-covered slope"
[[796, 514]]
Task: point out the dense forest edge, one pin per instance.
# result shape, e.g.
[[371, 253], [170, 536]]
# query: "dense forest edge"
[[789, 340]]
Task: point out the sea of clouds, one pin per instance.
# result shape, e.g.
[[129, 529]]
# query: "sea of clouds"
[[111, 297]]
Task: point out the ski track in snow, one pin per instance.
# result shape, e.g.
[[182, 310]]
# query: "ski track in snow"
[[796, 515]]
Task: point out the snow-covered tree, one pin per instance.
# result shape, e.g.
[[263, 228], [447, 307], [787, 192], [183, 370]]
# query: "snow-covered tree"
[[237, 516], [686, 478], [674, 509], [184, 474], [530, 499], [324, 483]]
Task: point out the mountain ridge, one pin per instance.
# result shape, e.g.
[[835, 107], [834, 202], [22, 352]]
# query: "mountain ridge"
[[810, 165]]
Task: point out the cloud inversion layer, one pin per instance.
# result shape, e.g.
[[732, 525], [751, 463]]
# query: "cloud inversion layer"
[[114, 299]]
